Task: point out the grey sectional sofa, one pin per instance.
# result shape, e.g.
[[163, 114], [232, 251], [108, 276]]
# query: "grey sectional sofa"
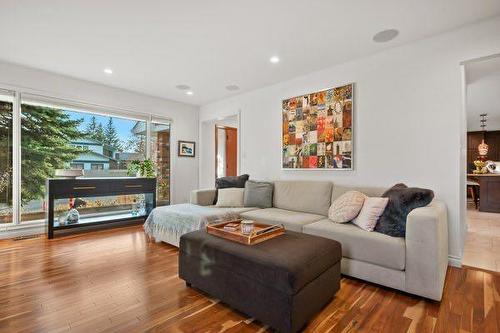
[[415, 264]]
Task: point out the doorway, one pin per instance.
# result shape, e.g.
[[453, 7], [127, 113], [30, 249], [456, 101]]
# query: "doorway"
[[226, 151], [482, 155]]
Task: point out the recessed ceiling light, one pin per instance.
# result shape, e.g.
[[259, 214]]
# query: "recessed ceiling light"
[[108, 71], [183, 87], [189, 92], [232, 87], [274, 59], [385, 35]]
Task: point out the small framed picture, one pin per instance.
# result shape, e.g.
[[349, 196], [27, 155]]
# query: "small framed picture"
[[186, 148]]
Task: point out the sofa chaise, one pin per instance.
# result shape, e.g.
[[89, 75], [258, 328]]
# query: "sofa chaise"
[[415, 264]]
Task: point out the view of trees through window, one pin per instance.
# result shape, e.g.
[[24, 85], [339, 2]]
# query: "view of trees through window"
[[5, 158], [56, 138]]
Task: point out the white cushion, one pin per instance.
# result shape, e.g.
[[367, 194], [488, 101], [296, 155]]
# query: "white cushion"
[[346, 207], [373, 207], [230, 197]]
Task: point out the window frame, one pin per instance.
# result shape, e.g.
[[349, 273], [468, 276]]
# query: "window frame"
[[28, 96]]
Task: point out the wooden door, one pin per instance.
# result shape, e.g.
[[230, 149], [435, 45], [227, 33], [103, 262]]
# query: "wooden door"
[[231, 151]]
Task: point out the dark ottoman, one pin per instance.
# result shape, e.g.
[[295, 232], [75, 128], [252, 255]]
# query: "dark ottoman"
[[282, 282]]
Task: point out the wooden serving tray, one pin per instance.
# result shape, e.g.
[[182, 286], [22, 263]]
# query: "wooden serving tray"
[[217, 229]]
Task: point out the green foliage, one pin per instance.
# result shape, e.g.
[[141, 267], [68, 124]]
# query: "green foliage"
[[46, 134], [145, 168], [5, 152], [94, 130], [111, 135]]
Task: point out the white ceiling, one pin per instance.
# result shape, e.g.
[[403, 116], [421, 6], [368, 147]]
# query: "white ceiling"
[[154, 45], [483, 93]]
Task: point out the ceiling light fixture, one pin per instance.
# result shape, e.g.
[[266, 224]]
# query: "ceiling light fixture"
[[108, 71], [385, 36], [274, 59], [232, 87], [189, 92], [183, 87]]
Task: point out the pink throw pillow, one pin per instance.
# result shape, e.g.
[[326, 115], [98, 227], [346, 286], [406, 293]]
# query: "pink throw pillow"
[[370, 212]]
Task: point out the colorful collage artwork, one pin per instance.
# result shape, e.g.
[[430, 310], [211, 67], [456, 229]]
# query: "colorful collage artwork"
[[317, 130]]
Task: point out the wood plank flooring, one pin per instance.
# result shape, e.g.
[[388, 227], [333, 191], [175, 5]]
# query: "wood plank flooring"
[[115, 281]]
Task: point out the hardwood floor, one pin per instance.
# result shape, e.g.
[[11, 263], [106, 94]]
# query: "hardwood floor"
[[115, 281]]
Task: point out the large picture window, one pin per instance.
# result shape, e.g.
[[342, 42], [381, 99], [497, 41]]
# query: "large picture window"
[[53, 136]]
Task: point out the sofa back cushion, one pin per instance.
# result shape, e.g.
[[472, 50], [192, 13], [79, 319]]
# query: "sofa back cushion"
[[338, 190], [303, 196]]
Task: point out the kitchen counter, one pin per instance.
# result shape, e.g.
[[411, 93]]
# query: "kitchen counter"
[[489, 191]]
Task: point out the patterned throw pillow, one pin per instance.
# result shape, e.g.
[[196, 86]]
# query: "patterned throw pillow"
[[346, 207]]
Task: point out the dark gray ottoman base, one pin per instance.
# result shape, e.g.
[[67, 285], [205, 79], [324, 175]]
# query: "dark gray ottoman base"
[[261, 296]]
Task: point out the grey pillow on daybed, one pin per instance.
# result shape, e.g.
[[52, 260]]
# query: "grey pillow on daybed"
[[258, 194], [402, 200]]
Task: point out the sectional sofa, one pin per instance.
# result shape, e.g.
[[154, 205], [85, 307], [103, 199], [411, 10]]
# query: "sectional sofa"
[[415, 264]]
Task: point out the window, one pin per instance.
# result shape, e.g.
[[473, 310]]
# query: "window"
[[95, 166], [6, 107], [77, 166], [55, 137]]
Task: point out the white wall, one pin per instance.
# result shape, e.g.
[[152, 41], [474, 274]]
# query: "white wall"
[[185, 117], [483, 96], [408, 117]]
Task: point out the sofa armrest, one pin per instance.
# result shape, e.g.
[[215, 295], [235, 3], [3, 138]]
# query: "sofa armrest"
[[427, 250], [204, 197]]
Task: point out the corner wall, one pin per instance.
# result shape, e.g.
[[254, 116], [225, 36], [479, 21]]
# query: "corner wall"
[[184, 116], [407, 117]]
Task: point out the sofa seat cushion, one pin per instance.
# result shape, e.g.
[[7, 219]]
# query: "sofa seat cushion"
[[291, 220], [358, 244], [235, 210]]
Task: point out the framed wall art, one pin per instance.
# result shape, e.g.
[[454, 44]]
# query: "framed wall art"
[[317, 130], [186, 149]]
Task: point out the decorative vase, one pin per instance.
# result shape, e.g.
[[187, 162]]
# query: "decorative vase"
[[73, 216]]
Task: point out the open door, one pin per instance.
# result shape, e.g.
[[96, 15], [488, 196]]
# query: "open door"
[[226, 151]]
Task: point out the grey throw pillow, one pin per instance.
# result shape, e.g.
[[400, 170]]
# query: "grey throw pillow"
[[258, 194]]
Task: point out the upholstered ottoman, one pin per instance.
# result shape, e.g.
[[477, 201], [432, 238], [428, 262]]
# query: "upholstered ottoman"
[[283, 282]]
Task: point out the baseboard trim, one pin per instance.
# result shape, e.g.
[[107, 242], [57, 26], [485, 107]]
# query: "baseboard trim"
[[455, 261], [22, 231]]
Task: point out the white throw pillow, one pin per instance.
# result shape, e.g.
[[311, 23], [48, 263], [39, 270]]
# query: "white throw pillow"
[[370, 213], [346, 207], [230, 197]]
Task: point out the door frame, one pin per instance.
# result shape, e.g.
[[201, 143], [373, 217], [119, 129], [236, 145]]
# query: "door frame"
[[462, 184]]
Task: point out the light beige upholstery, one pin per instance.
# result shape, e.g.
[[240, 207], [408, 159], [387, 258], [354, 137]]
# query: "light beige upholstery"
[[338, 190], [427, 250], [237, 210], [388, 277], [358, 244], [303, 196], [415, 265], [204, 197], [291, 220]]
